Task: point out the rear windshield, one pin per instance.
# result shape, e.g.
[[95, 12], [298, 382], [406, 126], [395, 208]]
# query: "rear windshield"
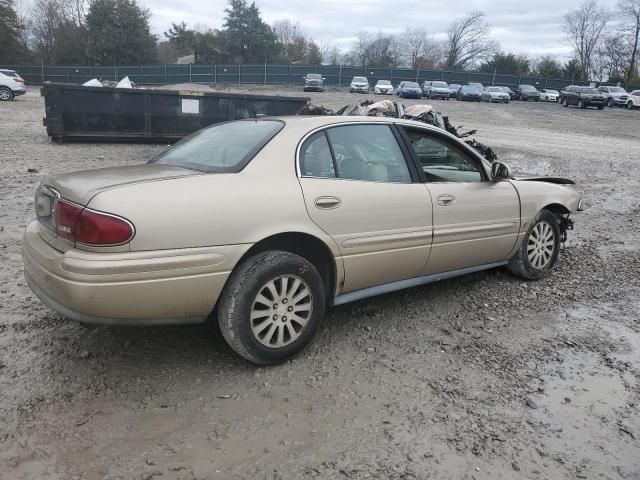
[[588, 90], [8, 73], [223, 148]]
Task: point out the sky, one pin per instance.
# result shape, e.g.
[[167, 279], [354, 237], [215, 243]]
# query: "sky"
[[532, 27]]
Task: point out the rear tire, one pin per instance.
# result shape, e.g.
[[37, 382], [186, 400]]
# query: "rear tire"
[[630, 105], [610, 103], [564, 102], [271, 307], [5, 94], [581, 104], [539, 249]]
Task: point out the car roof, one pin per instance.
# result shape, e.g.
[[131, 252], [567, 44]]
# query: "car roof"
[[317, 121]]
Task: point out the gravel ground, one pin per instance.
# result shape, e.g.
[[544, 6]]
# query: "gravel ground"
[[480, 377]]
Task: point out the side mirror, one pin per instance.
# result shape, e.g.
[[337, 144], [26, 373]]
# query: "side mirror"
[[500, 171]]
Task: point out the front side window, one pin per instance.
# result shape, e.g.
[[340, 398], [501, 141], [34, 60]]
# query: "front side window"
[[368, 152], [440, 160], [222, 148]]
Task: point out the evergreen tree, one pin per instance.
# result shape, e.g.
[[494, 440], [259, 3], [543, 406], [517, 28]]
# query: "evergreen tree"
[[9, 33], [247, 39]]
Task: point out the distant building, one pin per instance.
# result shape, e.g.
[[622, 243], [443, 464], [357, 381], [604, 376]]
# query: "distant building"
[[186, 60]]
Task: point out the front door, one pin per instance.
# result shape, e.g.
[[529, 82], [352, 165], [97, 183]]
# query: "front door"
[[358, 188], [476, 221]]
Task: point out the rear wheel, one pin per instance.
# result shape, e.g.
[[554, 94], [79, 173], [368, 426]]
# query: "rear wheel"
[[539, 250], [630, 105], [5, 94], [581, 104], [610, 102], [564, 102], [271, 307]]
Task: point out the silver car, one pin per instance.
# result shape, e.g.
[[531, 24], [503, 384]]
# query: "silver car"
[[494, 94]]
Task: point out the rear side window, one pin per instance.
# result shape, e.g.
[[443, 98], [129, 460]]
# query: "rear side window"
[[315, 157], [222, 148], [368, 152]]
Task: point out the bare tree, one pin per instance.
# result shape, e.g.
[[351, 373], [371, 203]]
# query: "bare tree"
[[468, 41], [584, 27], [630, 9], [419, 49], [331, 55]]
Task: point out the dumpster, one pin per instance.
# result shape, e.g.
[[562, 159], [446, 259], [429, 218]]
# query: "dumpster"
[[103, 113]]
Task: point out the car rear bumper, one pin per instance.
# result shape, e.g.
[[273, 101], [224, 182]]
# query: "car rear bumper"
[[132, 288], [17, 93], [313, 88]]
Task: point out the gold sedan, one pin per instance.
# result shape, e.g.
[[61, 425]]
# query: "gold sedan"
[[263, 224]]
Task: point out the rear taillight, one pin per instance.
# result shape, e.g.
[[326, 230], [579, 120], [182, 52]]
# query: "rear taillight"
[[91, 227]]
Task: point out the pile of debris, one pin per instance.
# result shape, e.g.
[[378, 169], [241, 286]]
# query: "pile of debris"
[[421, 113]]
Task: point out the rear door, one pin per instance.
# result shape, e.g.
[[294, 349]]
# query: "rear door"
[[360, 189], [476, 221]]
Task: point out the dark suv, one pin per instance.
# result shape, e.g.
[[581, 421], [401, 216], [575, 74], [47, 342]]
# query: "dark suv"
[[313, 82], [582, 97], [527, 92]]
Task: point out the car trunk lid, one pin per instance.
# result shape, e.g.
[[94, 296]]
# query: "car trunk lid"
[[80, 187]]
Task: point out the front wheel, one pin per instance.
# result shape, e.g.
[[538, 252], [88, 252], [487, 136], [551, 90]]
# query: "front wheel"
[[581, 104], [610, 103], [271, 307], [630, 105], [5, 94], [564, 102], [539, 249]]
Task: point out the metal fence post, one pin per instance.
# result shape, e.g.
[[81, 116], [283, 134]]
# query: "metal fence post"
[[493, 80], [190, 73], [42, 70], [215, 74], [289, 74], [166, 81], [116, 74], [238, 74], [468, 76], [340, 75], [265, 72]]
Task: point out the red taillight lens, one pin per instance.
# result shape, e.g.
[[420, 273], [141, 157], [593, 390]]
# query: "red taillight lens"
[[90, 227], [95, 228], [66, 218]]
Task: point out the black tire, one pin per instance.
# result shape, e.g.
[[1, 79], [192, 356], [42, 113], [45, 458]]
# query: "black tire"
[[600, 107], [630, 105], [610, 103], [6, 94], [237, 300], [520, 265], [581, 104], [564, 102]]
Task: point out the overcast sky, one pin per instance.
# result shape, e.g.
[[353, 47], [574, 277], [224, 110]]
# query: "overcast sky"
[[533, 27]]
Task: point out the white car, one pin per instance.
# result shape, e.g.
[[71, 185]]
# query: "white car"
[[359, 85], [11, 85], [494, 94], [548, 95], [634, 100], [383, 87]]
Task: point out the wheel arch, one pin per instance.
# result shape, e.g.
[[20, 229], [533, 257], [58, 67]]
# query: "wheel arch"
[[307, 246], [557, 208]]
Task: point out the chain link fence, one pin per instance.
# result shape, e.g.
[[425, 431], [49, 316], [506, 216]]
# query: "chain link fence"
[[340, 75]]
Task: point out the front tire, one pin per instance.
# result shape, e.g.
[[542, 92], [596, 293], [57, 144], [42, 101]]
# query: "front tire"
[[5, 94], [271, 307], [565, 103], [610, 103], [630, 105], [539, 250], [581, 104]]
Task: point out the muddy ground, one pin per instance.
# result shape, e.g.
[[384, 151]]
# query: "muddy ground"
[[481, 377]]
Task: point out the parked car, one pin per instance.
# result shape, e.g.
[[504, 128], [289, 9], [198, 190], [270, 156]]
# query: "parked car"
[[549, 95], [409, 90], [615, 96], [359, 85], [527, 92], [11, 85], [494, 94], [582, 97], [264, 246], [511, 93], [453, 90], [470, 93], [436, 89], [383, 87], [634, 100], [313, 82]]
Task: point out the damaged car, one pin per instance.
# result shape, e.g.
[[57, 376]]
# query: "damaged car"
[[261, 225]]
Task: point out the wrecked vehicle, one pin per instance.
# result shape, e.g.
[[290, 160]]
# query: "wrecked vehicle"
[[369, 205]]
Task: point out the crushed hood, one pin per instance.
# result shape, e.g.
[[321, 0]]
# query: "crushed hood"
[[528, 177]]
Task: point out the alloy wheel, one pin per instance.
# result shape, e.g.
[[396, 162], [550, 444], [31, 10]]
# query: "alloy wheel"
[[281, 310], [541, 245], [5, 94]]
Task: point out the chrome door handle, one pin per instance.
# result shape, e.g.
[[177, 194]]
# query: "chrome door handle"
[[445, 200], [327, 203]]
